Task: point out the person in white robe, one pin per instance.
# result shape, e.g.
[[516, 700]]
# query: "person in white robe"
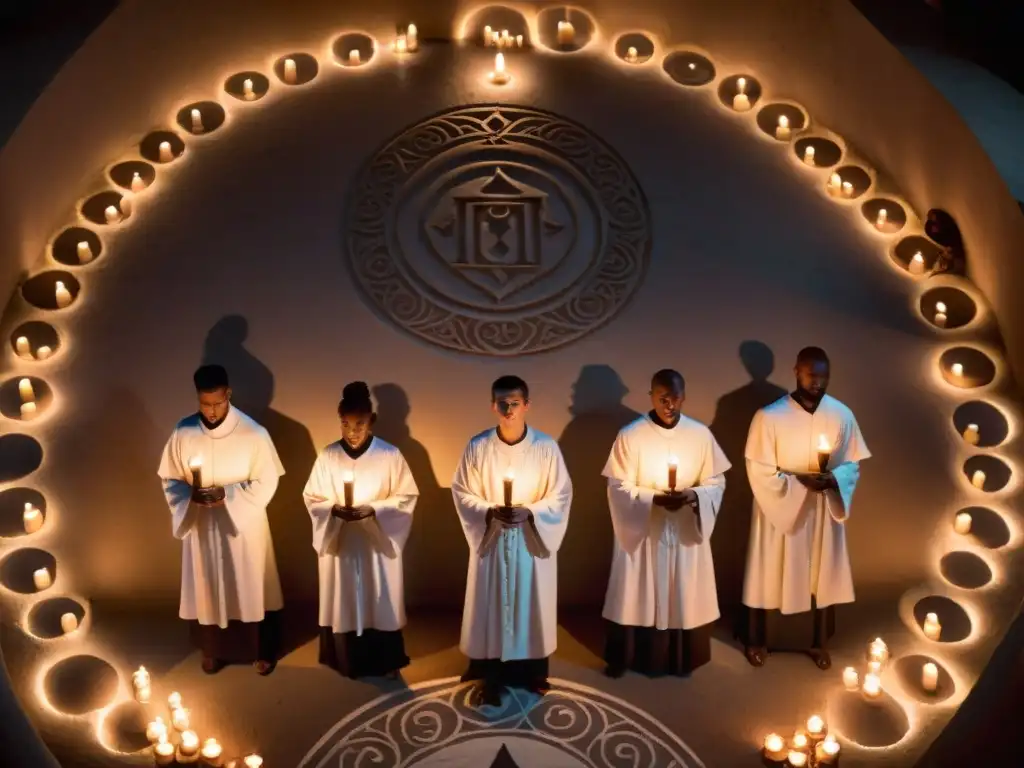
[[512, 493], [666, 477], [219, 471], [803, 459], [360, 496]]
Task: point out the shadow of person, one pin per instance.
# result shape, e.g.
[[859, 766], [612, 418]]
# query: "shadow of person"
[[252, 391], [730, 425]]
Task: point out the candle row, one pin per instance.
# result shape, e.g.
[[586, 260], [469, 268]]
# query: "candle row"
[[187, 750], [409, 42], [495, 39], [798, 752]]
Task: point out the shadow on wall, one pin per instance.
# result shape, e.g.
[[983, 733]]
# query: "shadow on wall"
[[252, 392], [733, 414], [598, 414]]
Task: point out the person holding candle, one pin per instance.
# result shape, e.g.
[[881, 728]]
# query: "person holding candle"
[[359, 535], [509, 620], [219, 471], [798, 566], [662, 600]]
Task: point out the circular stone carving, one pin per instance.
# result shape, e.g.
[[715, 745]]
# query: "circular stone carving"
[[20, 455], [343, 46], [236, 86], [43, 340], [123, 174], [17, 570], [893, 221], [909, 669], [498, 230], [123, 728], [956, 624], [689, 68], [875, 724], [960, 308], [976, 368], [12, 509], [965, 570], [435, 724], [826, 152], [80, 684], [211, 117], [44, 619], [995, 476], [634, 43], [988, 527], [66, 250]]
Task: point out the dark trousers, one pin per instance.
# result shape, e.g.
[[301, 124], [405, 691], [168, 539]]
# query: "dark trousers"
[[375, 653], [241, 642], [656, 652], [521, 673], [760, 628]]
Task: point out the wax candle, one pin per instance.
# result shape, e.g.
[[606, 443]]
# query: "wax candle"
[[774, 748], [847, 189], [247, 90], [180, 719], [850, 679], [972, 435], [197, 121], [957, 369], [930, 677], [835, 184], [962, 523], [84, 252], [882, 218], [510, 476], [166, 155], [827, 753], [878, 651], [212, 753], [163, 752], [174, 700], [496, 38], [195, 466], [741, 102], [872, 688], [61, 294], [632, 55], [412, 37], [932, 628], [290, 72], [506, 41], [673, 468], [354, 59], [824, 453], [31, 518], [188, 749], [809, 155], [400, 45], [799, 740], [26, 391], [940, 319], [499, 76], [252, 761], [141, 685], [42, 579], [43, 352], [68, 623], [566, 33], [487, 35], [978, 479], [917, 264], [156, 730], [126, 202], [519, 41], [782, 131], [111, 214], [797, 759], [138, 183], [815, 727], [22, 347]]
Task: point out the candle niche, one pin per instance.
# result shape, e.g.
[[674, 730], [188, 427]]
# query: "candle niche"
[[35, 340], [247, 86], [981, 424], [740, 93], [782, 121], [924, 678], [55, 289], [55, 617], [135, 176], [946, 620], [965, 570], [161, 147], [817, 152], [905, 251], [296, 69], [78, 685], [103, 209], [966, 367], [564, 29], [18, 393], [989, 474], [885, 215], [201, 117], [343, 46], [855, 182], [689, 68], [946, 306], [28, 571], [634, 48], [499, 28]]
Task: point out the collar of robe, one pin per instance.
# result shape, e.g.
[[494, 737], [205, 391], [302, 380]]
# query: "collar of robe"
[[355, 453], [526, 431], [653, 416], [225, 427], [805, 400]]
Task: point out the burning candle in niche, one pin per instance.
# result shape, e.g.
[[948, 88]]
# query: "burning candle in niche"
[[22, 347], [932, 628], [68, 623], [290, 72], [506, 487], [138, 183], [84, 252], [212, 753], [487, 35], [940, 314], [111, 214], [505, 41], [354, 59], [878, 651], [197, 121], [43, 352], [156, 730], [566, 33], [42, 579], [957, 369], [774, 748], [824, 453], [797, 759], [872, 688], [847, 189], [126, 204], [32, 518], [412, 37], [917, 264], [799, 740], [972, 435], [166, 155], [195, 466], [247, 91], [882, 218], [962, 523], [519, 41], [252, 761], [827, 753], [978, 479], [851, 681], [782, 131], [163, 752], [28, 394], [930, 677], [141, 687], [815, 728], [61, 294], [632, 55], [174, 700], [400, 45], [180, 719], [741, 102], [499, 76], [835, 184], [673, 468], [188, 749]]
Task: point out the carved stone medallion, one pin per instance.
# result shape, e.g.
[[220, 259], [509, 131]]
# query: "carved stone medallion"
[[435, 725], [497, 230]]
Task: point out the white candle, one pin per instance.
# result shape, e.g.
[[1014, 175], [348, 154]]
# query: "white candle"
[[917, 264], [566, 33], [353, 58], [774, 747], [22, 347], [875, 667], [972, 435], [412, 37], [487, 35], [174, 700], [827, 752], [940, 319], [957, 369], [62, 295], [977, 479], [809, 155], [835, 183], [141, 685], [290, 73], [197, 121], [252, 761], [28, 411], [111, 214], [32, 518], [872, 688], [962, 523], [195, 466], [180, 719], [156, 730], [506, 41], [851, 681], [138, 183], [632, 55], [125, 204], [882, 218], [165, 152], [782, 132], [878, 651], [211, 753], [84, 252], [28, 394], [163, 752], [797, 759], [519, 41], [247, 92], [847, 189], [68, 623], [400, 46], [43, 352], [930, 677], [815, 727], [741, 102], [799, 740], [932, 628], [42, 579], [188, 749], [499, 76]]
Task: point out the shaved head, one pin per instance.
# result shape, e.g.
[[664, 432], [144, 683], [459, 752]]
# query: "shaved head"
[[669, 379]]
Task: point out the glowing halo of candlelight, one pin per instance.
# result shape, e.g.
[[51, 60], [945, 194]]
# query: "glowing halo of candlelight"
[[689, 67]]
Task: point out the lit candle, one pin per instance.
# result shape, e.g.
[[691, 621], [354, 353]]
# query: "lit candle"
[[940, 307], [174, 700], [691, 65], [875, 667], [68, 623], [496, 38], [163, 752], [400, 45], [917, 264], [972, 435], [487, 35], [412, 37], [977, 479], [61, 294], [673, 467], [166, 155], [847, 189], [22, 347], [878, 651], [957, 369], [42, 579], [348, 481], [835, 184], [43, 352], [138, 183], [774, 749], [141, 685], [212, 753], [932, 628], [930, 677], [125, 204], [824, 453], [782, 132], [872, 688], [25, 390], [882, 218], [507, 487], [156, 730], [84, 252], [499, 76], [741, 102], [940, 319], [28, 411], [180, 719], [32, 518], [188, 749], [799, 740], [815, 727], [632, 55], [850, 679], [506, 41], [290, 73], [195, 466], [519, 41], [111, 214], [827, 753], [797, 759], [247, 92], [566, 33], [962, 523], [252, 761], [354, 59], [197, 121], [809, 155]]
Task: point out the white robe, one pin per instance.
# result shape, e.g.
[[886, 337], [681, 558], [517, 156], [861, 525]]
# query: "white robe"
[[228, 569], [361, 587], [510, 611], [798, 536], [663, 575]]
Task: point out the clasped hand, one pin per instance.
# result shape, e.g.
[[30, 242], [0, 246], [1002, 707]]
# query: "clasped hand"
[[676, 500], [353, 514], [208, 497], [817, 481], [510, 516]]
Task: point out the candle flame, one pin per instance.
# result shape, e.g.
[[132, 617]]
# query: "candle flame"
[[823, 445], [510, 475], [195, 462], [673, 461], [347, 476], [189, 739], [499, 63], [815, 724], [773, 742], [799, 740], [940, 307], [830, 746]]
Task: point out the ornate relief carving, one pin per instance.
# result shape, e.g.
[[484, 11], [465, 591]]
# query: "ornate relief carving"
[[498, 230], [434, 724]]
